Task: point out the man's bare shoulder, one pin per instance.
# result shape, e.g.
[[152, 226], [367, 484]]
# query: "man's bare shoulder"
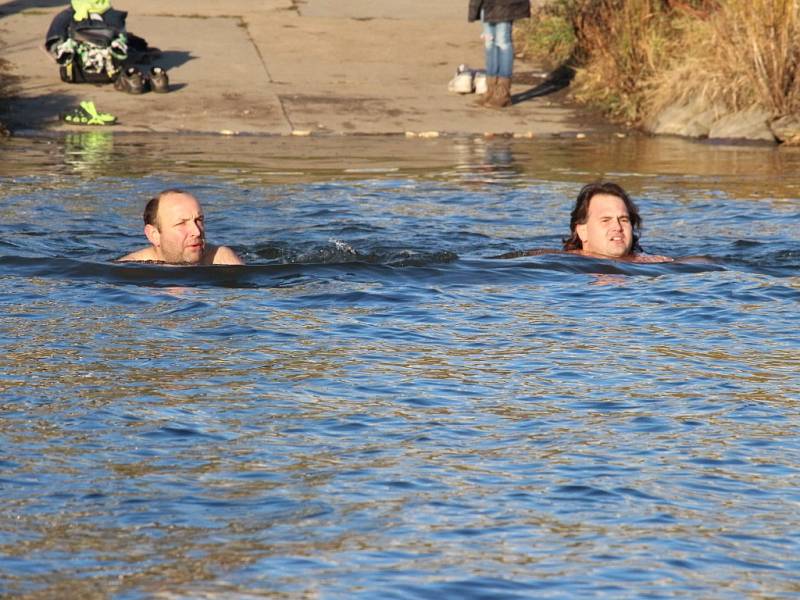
[[145, 254], [531, 252], [222, 255], [214, 255], [636, 257], [650, 258]]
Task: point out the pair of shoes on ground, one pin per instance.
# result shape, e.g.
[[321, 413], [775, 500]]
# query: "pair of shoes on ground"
[[467, 81], [87, 114], [133, 81]]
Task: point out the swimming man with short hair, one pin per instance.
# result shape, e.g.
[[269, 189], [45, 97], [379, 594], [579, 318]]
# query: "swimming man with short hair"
[[175, 227]]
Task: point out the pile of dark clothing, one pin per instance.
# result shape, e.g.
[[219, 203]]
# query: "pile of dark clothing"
[[90, 43]]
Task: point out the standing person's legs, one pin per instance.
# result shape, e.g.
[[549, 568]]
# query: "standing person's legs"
[[505, 49], [492, 60], [490, 49], [505, 65]]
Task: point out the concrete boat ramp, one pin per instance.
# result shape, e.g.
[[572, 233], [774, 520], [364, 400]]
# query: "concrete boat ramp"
[[287, 67]]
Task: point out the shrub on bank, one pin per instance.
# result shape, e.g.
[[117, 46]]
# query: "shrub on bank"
[[632, 58]]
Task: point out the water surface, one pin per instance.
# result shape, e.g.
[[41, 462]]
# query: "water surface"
[[375, 408]]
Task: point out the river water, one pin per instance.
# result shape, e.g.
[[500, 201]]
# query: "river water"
[[374, 407]]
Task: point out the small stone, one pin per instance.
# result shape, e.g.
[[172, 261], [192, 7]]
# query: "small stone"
[[229, 132], [621, 136], [580, 136], [410, 134], [301, 132], [429, 134], [786, 129]]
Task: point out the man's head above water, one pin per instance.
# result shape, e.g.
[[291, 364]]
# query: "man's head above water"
[[175, 227], [605, 223]]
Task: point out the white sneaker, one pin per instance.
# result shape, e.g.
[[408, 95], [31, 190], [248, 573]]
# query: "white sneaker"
[[479, 79], [462, 82]]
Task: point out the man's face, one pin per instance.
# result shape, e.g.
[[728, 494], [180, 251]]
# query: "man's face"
[[607, 232], [180, 233]]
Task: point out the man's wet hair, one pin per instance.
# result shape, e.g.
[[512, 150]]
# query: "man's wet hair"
[[581, 212], [151, 209]]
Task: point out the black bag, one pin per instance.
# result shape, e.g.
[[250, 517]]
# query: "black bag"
[[99, 47], [72, 72]]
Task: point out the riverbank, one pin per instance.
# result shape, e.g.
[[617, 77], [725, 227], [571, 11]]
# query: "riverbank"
[[699, 69], [280, 67]]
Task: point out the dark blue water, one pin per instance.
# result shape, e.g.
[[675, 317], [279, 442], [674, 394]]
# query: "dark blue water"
[[374, 407]]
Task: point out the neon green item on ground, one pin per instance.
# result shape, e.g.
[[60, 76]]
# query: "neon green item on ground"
[[84, 7], [87, 114], [90, 108]]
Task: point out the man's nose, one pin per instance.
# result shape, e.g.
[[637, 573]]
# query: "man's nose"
[[195, 228]]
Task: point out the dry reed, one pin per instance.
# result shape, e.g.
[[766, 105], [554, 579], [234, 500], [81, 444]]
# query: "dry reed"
[[634, 57]]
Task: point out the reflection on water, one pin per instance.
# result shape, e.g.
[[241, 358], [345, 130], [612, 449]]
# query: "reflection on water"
[[742, 171], [373, 408], [90, 152]]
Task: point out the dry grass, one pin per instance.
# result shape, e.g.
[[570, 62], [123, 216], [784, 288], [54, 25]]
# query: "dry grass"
[[615, 46], [620, 55], [548, 36], [635, 57], [758, 42], [746, 54]]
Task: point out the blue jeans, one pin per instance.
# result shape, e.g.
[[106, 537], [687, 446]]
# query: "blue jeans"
[[499, 48]]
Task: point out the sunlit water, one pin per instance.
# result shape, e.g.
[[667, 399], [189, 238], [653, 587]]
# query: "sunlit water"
[[376, 408]]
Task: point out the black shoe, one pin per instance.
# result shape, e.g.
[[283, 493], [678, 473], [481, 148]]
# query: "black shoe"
[[131, 80], [120, 83], [159, 81]]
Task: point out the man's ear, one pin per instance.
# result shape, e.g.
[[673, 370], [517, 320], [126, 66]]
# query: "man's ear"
[[153, 235], [582, 230]]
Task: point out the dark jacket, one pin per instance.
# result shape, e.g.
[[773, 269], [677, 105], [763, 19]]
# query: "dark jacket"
[[496, 11], [64, 24]]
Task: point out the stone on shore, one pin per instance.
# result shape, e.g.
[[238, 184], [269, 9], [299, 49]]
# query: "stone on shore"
[[700, 118], [751, 124], [690, 119], [787, 130]]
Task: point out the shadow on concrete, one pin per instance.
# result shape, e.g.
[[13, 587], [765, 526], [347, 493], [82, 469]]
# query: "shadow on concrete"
[[557, 81], [15, 6], [169, 59], [35, 112], [174, 87], [8, 82]]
